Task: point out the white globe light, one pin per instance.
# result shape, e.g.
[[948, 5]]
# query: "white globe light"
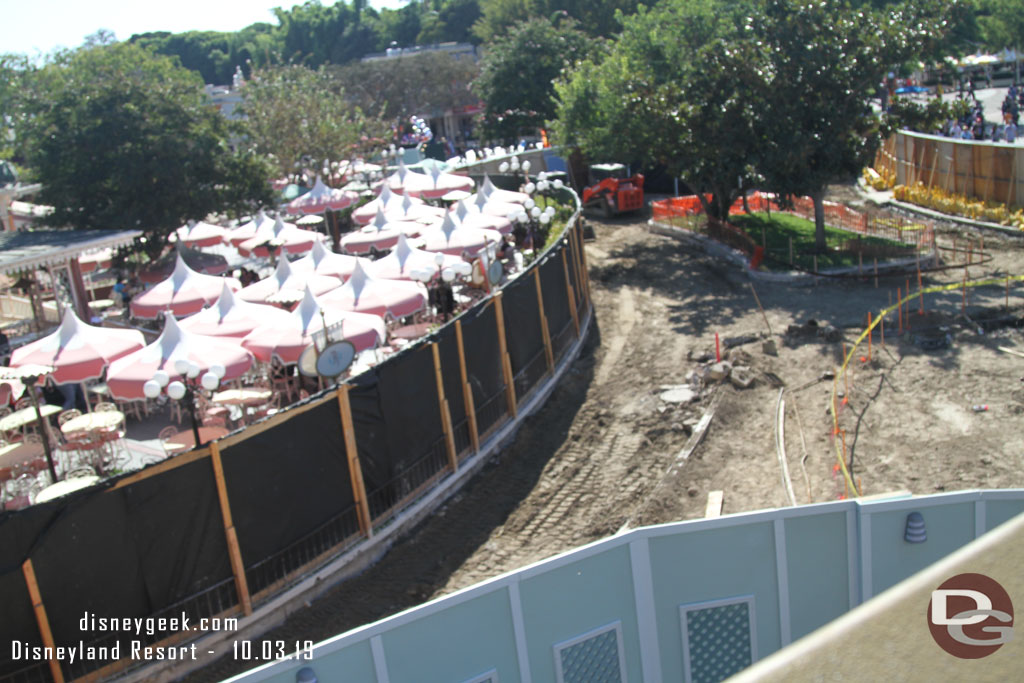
[[181, 366], [526, 166], [151, 389], [218, 370], [176, 390], [503, 167], [535, 211], [529, 188], [543, 186], [542, 175], [439, 258], [557, 183], [545, 218], [529, 204], [193, 370], [161, 378], [463, 269], [550, 211], [448, 274], [521, 217], [210, 381], [514, 164]]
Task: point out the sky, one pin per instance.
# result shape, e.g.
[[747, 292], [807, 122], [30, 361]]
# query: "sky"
[[37, 27]]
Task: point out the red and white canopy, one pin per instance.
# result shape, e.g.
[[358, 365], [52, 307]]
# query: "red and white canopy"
[[380, 234], [285, 280], [290, 239], [404, 259], [126, 375], [322, 198], [287, 341], [232, 317], [11, 388], [320, 261], [407, 208], [185, 292], [481, 203], [426, 185], [452, 238], [248, 230], [488, 190], [200, 234], [366, 294], [77, 351], [466, 218]]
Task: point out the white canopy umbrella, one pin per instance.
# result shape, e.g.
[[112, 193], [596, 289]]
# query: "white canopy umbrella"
[[430, 185], [200, 234], [380, 234], [183, 293], [284, 279], [288, 237], [248, 230], [475, 219], [322, 198], [366, 294], [410, 208], [491, 207], [488, 190], [286, 341], [452, 238], [404, 260], [323, 262], [232, 317]]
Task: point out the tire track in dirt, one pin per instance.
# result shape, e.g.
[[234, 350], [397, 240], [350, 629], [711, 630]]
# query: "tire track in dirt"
[[625, 320]]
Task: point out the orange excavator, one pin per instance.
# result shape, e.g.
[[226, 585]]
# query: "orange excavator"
[[612, 190]]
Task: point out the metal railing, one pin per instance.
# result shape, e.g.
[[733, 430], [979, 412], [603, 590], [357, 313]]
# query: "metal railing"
[[408, 484]]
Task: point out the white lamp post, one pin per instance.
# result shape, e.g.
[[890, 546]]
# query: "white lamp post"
[[187, 387]]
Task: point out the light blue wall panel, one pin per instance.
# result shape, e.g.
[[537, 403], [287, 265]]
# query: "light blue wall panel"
[[569, 601], [819, 570], [455, 644], [999, 511], [710, 565], [354, 663], [893, 559]]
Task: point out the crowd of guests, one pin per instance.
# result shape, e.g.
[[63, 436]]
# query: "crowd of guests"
[[972, 126]]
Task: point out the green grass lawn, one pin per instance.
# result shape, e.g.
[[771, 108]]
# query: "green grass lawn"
[[777, 229]]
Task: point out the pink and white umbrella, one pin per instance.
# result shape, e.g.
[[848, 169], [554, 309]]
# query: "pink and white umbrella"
[[287, 341], [11, 388], [185, 292], [380, 234], [247, 231], [452, 238], [426, 185], [404, 260], [409, 208], [365, 294], [126, 376], [232, 317], [474, 219], [200, 234], [323, 262], [488, 190], [77, 351], [285, 281], [491, 207], [97, 259], [289, 238], [322, 198]]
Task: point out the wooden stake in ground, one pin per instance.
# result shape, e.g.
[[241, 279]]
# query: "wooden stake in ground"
[[760, 308], [907, 302], [881, 329], [899, 308], [869, 335], [963, 296], [920, 289]]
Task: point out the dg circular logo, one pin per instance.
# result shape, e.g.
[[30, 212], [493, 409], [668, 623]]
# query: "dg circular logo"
[[970, 616]]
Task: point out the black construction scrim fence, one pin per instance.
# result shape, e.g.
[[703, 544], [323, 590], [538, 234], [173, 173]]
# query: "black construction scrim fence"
[[155, 543]]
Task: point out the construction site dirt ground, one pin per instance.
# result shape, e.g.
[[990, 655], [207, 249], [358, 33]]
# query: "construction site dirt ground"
[[604, 453]]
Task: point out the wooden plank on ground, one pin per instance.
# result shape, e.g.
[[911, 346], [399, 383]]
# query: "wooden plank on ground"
[[714, 507]]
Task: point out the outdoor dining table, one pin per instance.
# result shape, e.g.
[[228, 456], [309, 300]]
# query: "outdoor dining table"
[[91, 422], [63, 488], [245, 398], [185, 440], [14, 455], [20, 418]]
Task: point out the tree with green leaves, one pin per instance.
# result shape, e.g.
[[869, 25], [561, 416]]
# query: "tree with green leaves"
[[302, 120], [123, 139], [596, 18], [671, 92], [518, 70]]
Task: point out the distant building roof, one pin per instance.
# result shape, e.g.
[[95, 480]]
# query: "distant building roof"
[[456, 50], [21, 249]]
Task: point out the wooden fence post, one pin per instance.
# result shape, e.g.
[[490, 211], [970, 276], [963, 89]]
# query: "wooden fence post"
[[355, 471], [506, 363], [467, 391], [446, 418], [234, 552], [545, 333], [571, 294], [577, 265], [41, 619]]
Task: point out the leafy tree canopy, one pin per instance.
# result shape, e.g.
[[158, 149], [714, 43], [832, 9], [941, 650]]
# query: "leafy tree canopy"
[[594, 17], [301, 119], [518, 70], [124, 139]]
